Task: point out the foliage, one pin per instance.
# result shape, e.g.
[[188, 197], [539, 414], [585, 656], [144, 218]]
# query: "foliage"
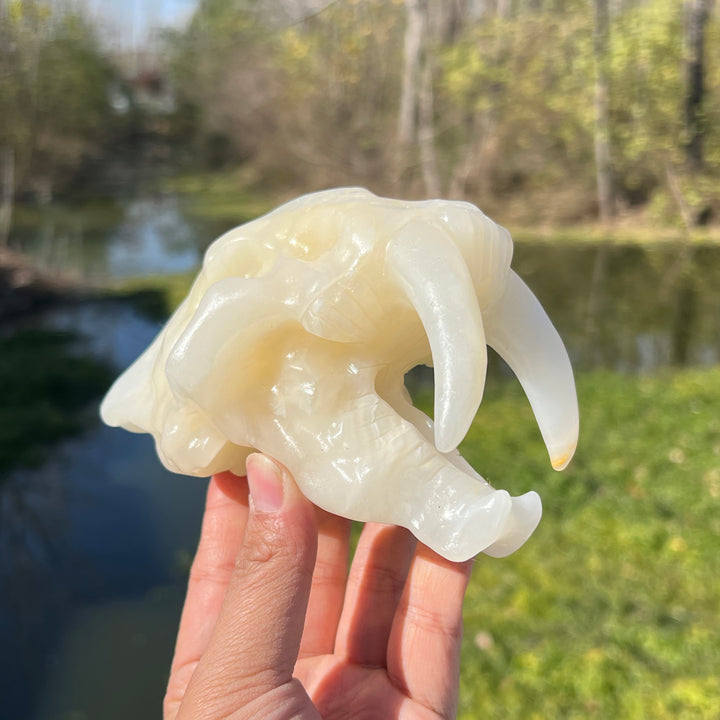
[[516, 74], [222, 71], [302, 101], [54, 82], [339, 77], [513, 92], [610, 609], [46, 386], [309, 98], [647, 90]]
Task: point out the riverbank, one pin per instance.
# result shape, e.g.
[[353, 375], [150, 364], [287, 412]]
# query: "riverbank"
[[25, 288], [231, 198]]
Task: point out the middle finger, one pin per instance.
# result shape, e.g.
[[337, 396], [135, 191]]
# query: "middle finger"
[[328, 585], [375, 585]]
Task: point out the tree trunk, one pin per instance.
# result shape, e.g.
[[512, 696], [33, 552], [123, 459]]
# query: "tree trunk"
[[7, 153], [412, 59], [448, 19], [696, 16], [603, 156], [426, 131], [416, 116], [7, 192], [476, 158]]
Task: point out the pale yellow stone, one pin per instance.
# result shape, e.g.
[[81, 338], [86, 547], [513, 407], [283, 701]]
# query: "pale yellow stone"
[[295, 338]]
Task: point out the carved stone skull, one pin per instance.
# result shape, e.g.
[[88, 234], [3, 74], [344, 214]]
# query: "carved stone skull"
[[295, 339]]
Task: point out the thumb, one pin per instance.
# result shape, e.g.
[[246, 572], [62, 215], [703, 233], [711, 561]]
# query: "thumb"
[[247, 668]]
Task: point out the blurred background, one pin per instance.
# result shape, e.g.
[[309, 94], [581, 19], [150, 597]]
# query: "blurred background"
[[133, 133]]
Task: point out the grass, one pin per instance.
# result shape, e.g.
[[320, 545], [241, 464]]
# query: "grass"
[[610, 609], [223, 197], [631, 233], [92, 217], [155, 296], [46, 385]]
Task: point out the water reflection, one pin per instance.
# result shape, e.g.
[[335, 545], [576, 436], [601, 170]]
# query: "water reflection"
[[147, 236], [154, 238], [630, 309], [100, 523]]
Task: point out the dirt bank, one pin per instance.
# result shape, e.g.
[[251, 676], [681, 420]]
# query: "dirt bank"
[[25, 288]]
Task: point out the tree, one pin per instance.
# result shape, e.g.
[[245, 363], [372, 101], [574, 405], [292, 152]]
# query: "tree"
[[516, 92], [222, 67], [7, 151], [415, 21], [336, 96], [696, 17], [416, 111], [54, 82], [72, 119], [603, 161], [535, 105]]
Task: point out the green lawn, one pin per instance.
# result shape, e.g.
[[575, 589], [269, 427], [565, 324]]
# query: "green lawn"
[[611, 609], [224, 197]]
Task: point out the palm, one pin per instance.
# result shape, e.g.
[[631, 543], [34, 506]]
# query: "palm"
[[340, 687], [382, 641]]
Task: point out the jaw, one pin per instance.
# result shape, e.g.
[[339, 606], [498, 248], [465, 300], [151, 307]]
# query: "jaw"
[[477, 517], [387, 471], [376, 460]]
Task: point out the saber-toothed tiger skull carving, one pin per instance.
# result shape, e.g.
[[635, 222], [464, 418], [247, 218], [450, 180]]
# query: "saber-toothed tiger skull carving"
[[295, 339]]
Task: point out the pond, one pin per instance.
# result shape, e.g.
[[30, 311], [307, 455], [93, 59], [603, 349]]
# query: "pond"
[[94, 549], [95, 543], [143, 236], [629, 308]]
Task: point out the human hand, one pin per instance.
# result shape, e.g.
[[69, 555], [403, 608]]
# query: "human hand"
[[274, 627]]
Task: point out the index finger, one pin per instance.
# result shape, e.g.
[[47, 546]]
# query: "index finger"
[[223, 529], [328, 585]]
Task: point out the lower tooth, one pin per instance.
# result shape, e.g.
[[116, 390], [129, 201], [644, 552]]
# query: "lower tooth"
[[521, 522]]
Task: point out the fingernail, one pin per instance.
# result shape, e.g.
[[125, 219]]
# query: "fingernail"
[[266, 484]]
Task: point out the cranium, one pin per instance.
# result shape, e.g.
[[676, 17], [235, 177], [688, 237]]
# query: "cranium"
[[295, 339]]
